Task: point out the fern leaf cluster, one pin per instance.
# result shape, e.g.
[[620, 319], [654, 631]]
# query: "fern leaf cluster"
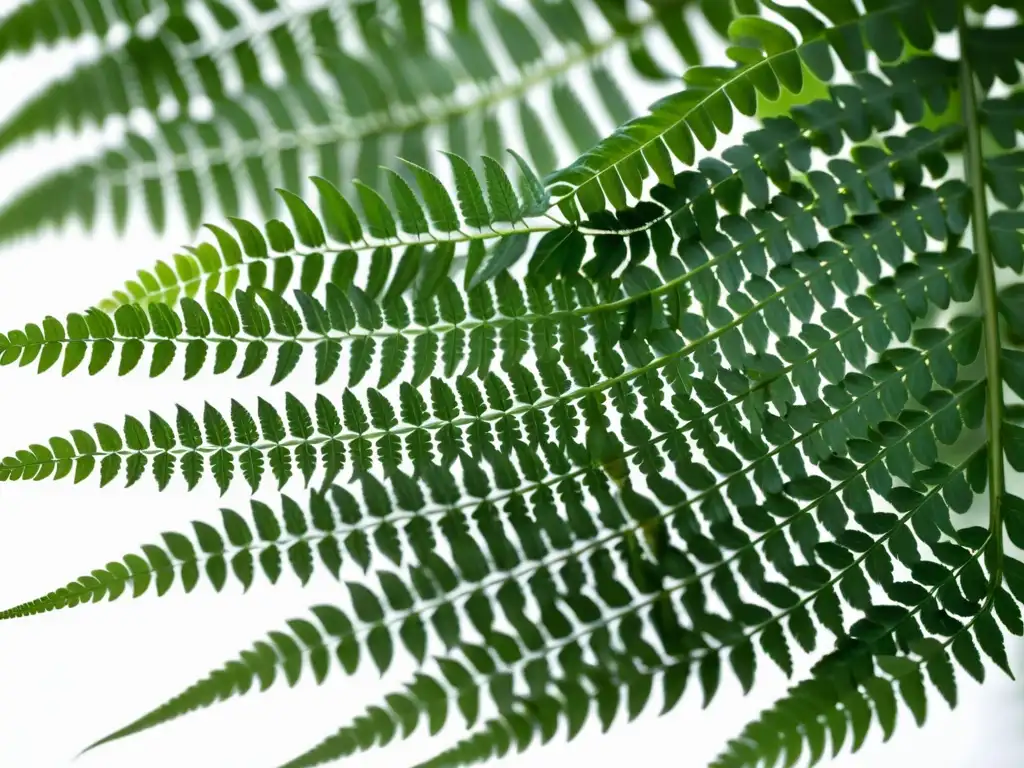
[[661, 416], [359, 83]]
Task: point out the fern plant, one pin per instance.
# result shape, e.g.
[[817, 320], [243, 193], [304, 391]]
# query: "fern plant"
[[594, 434]]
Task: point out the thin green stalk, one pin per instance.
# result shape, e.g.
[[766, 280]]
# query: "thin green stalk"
[[973, 161]]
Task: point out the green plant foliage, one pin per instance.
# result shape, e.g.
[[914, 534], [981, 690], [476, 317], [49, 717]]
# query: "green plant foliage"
[[46, 23], [664, 416], [772, 154], [414, 68]]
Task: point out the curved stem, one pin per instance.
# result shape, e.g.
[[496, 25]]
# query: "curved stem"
[[973, 161]]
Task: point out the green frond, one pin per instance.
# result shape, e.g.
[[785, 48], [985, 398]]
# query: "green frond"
[[768, 59], [296, 539], [662, 352], [660, 417], [624, 675], [864, 682], [591, 590], [399, 85], [855, 112], [48, 22]]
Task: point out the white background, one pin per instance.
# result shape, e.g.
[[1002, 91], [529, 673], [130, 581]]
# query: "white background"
[[69, 677]]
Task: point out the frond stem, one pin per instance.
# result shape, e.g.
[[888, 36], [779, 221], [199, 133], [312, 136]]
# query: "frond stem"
[[412, 331], [974, 160]]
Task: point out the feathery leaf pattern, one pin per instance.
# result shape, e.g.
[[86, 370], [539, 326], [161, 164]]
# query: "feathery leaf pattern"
[[591, 433]]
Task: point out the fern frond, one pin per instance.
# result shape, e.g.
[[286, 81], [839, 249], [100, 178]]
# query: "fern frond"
[[403, 86], [47, 22], [135, 445], [293, 538], [768, 59], [350, 324], [171, 60], [651, 579], [437, 483], [846, 692], [391, 68], [773, 153]]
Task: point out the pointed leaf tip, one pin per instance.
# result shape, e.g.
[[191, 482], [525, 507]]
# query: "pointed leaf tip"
[[506, 253]]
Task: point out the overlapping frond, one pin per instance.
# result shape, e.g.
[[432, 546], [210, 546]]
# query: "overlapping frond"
[[896, 454], [503, 325], [773, 154], [597, 601], [893, 661], [680, 346], [342, 108], [768, 58], [622, 429], [486, 469], [594, 567]]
